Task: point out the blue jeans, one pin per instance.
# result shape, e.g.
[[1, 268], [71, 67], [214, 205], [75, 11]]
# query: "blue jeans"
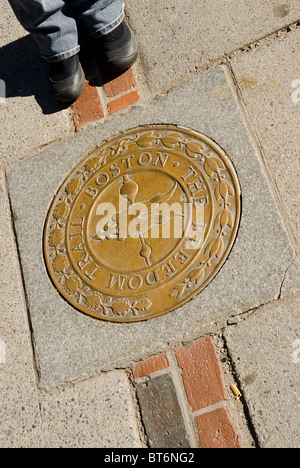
[[53, 23]]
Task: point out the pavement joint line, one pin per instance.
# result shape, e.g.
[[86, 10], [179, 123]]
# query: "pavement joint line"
[[138, 413], [263, 39], [104, 101], [142, 429], [251, 311], [182, 400], [23, 293], [153, 375], [261, 153], [15, 161], [234, 373], [285, 276], [210, 409], [250, 127], [233, 379], [255, 310], [148, 95], [222, 60]]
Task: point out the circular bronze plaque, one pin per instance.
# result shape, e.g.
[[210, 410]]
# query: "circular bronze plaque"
[[143, 224]]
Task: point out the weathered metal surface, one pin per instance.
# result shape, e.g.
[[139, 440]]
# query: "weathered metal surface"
[[143, 224]]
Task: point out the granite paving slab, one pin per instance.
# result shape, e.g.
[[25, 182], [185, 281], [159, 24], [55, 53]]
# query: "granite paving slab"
[[97, 413], [266, 351], [70, 345], [20, 422], [291, 283], [177, 37], [269, 80]]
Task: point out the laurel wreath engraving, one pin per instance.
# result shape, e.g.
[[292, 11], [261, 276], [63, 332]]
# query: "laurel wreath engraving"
[[73, 286], [71, 282], [223, 219]]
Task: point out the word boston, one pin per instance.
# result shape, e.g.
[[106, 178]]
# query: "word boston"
[[142, 224]]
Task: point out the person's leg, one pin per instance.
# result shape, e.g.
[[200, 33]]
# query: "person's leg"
[[99, 17], [104, 21], [53, 26]]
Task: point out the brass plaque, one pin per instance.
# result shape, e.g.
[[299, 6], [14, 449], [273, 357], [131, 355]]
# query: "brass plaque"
[[143, 224]]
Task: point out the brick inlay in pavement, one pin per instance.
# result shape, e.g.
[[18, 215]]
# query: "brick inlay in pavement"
[[88, 108], [113, 94], [201, 374], [144, 368], [171, 395], [217, 430], [161, 413], [123, 101]]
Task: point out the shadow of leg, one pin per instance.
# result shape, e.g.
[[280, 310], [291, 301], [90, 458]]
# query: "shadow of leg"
[[25, 73]]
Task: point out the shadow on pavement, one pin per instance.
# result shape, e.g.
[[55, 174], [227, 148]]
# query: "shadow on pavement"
[[25, 73]]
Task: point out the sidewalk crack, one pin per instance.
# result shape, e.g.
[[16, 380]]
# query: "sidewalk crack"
[[285, 276]]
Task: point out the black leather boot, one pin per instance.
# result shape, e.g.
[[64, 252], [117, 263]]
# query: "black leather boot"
[[119, 48], [67, 80]]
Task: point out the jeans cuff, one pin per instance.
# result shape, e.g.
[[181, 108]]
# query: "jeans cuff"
[[109, 27], [63, 55]]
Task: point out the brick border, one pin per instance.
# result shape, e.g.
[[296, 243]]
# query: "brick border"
[[201, 374], [145, 368], [88, 108], [115, 94], [194, 378]]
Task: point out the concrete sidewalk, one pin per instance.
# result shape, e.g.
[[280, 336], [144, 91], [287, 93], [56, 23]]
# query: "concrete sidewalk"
[[223, 370]]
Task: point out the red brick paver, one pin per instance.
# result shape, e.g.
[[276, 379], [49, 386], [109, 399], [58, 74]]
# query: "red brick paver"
[[217, 430], [202, 374], [142, 369], [120, 84], [88, 107], [118, 92], [197, 370], [122, 102]]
